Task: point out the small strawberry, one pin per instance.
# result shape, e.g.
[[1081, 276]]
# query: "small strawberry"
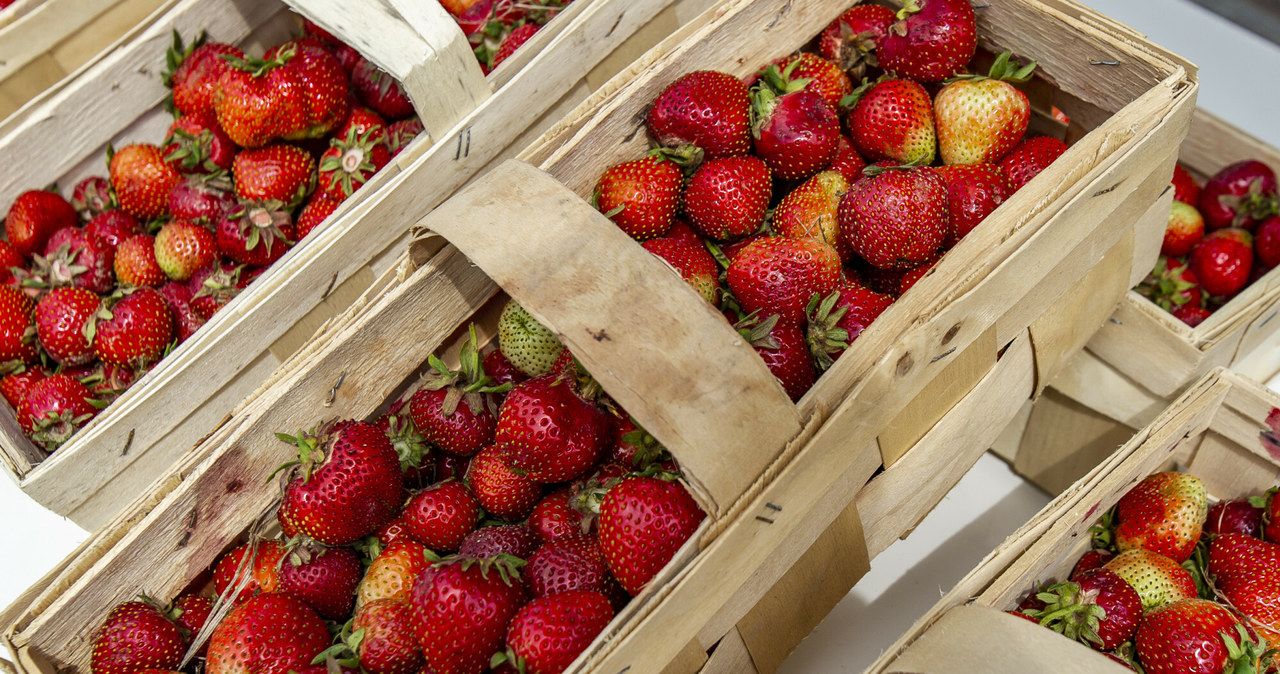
[[184, 247], [54, 409], [707, 109], [1090, 560], [782, 347], [1171, 285], [1027, 159], [640, 196], [1157, 579], [363, 121], [393, 572], [835, 320], [142, 179], [778, 275], [547, 634], [197, 145], [193, 72], [81, 258], [1164, 513], [517, 540], [190, 613], [212, 288], [131, 329], [979, 119], [1266, 243], [263, 571], [826, 79], [528, 344], [34, 216], [897, 219], [1222, 261], [1239, 195], [10, 260], [92, 197], [1185, 187], [114, 227], [349, 163], [268, 634], [502, 370], [727, 198], [201, 201], [15, 385], [1191, 315], [974, 191], [850, 41], [279, 172], [548, 430], [135, 637], [324, 578], [380, 91], [1097, 608], [325, 90], [387, 644], [17, 329], [1195, 636], [931, 40], [513, 41], [643, 522], [1269, 503], [461, 611], [500, 490], [847, 160], [1184, 230], [317, 209], [692, 261], [61, 324], [809, 211], [893, 119], [555, 517], [442, 515], [1234, 517]]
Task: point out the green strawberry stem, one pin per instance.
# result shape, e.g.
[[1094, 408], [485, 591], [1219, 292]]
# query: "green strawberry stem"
[[1003, 69]]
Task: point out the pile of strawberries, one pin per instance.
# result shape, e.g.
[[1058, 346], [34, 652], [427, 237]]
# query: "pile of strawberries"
[[95, 290], [1174, 585], [497, 28], [759, 192], [1221, 237], [546, 509]]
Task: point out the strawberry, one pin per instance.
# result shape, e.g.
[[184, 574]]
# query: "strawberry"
[[826, 79], [15, 385], [640, 196], [692, 261], [565, 564], [850, 41], [547, 634], [1027, 159], [131, 329], [1164, 513], [61, 318], [1246, 573], [264, 572], [777, 275], [809, 211], [135, 263], [555, 517], [931, 40], [517, 37], [211, 288], [893, 119], [781, 346], [279, 172], [196, 145], [517, 540], [1157, 579], [318, 208], [363, 121], [1222, 261], [974, 191], [707, 109], [1238, 517], [795, 129], [92, 197], [1191, 315], [837, 319], [393, 572], [142, 179], [1269, 503], [34, 216], [387, 644], [258, 100], [1097, 608], [193, 73], [1184, 230], [979, 119], [183, 247], [136, 636], [350, 483], [1185, 187], [1171, 285], [401, 133], [114, 227], [461, 611], [256, 234], [897, 219], [1266, 243], [442, 515], [54, 409], [548, 431], [528, 344], [81, 258], [17, 327], [348, 164], [1194, 636], [1239, 195], [324, 578], [9, 260], [322, 82], [456, 409], [380, 91], [500, 490], [501, 370], [727, 198], [268, 634], [190, 613], [643, 522], [847, 160], [200, 200]]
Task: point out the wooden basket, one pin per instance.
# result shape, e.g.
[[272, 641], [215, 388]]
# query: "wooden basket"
[[1143, 357], [1211, 431], [474, 122], [778, 480]]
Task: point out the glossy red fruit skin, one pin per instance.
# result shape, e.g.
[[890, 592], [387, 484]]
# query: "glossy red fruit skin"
[[1119, 600], [389, 645], [1222, 261], [513, 41], [184, 247], [549, 633], [193, 612], [777, 275], [1185, 187], [14, 386], [727, 198], [194, 81], [16, 318], [268, 634], [790, 362], [114, 227], [1027, 159], [1266, 243], [1246, 571], [136, 335], [135, 636], [862, 307], [142, 180], [501, 491], [1093, 559], [326, 582], [643, 522], [34, 216], [323, 82], [1191, 315], [1184, 637], [799, 136], [54, 409], [460, 616], [279, 172], [565, 564], [464, 432], [554, 516], [380, 91], [318, 208], [60, 323], [197, 200], [646, 190], [517, 540], [9, 259], [974, 191], [264, 572], [704, 108], [548, 431], [441, 516], [233, 235], [502, 370], [1239, 180], [894, 120], [83, 249], [896, 220], [1234, 517], [393, 573], [933, 44], [195, 145]]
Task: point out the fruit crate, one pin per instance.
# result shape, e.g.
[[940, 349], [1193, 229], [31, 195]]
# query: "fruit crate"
[[44, 41], [778, 480], [1143, 357], [1213, 431], [474, 122]]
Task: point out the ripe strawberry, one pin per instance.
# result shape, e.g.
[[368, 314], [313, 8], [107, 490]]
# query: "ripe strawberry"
[[692, 261], [196, 145], [517, 37], [190, 613], [455, 409], [1185, 187], [517, 540], [350, 483], [1246, 572], [1239, 195], [1164, 513], [979, 119], [502, 370], [317, 208], [461, 611], [401, 133], [931, 40], [256, 234], [14, 386], [279, 172], [388, 644], [193, 72], [61, 318], [809, 211], [258, 100], [1191, 315], [893, 119], [442, 515], [263, 572], [184, 247], [1184, 230], [643, 522], [114, 227], [1234, 517], [528, 344], [837, 319], [268, 634], [17, 328], [393, 572], [10, 260], [1266, 243], [565, 564], [1194, 636], [380, 91], [1097, 608], [826, 79], [1157, 579], [1171, 285], [781, 346], [1027, 159], [640, 196], [34, 216], [131, 329], [1269, 503], [1222, 261], [850, 41], [1093, 559], [325, 90], [136, 636], [324, 578], [706, 109], [847, 160], [973, 192], [548, 431], [727, 198], [80, 258], [555, 517], [54, 409], [349, 163], [547, 634], [201, 201], [897, 219], [777, 275], [501, 491], [361, 121], [92, 197], [142, 179]]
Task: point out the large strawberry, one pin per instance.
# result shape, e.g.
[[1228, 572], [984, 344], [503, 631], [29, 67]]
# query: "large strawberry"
[[53, 409], [61, 324], [34, 216], [1239, 195], [643, 522], [897, 219], [795, 129], [837, 319], [268, 634], [1246, 572], [1097, 608], [931, 40], [350, 483], [778, 275], [1157, 579], [528, 344], [503, 492], [1164, 513], [973, 192], [893, 119], [1027, 159], [548, 430], [1194, 636], [142, 179], [457, 410], [727, 198], [193, 73], [461, 611], [279, 172], [641, 196], [1223, 260], [1238, 517], [324, 578], [706, 109], [979, 119], [132, 328], [350, 162], [441, 515], [184, 247], [547, 634], [850, 41], [136, 636], [258, 100]]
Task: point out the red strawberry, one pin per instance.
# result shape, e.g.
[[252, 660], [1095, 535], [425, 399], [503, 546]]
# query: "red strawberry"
[[136, 636], [350, 483], [81, 258], [324, 578], [973, 192], [256, 234], [1164, 513], [548, 431], [323, 83], [777, 275], [201, 201], [191, 612], [401, 133], [643, 522], [501, 491], [142, 179], [211, 288], [197, 145], [502, 370], [1239, 195], [348, 164], [1234, 517], [388, 644], [565, 564], [34, 216], [850, 41], [1093, 559], [442, 515], [931, 40], [263, 571], [1098, 608], [1027, 159], [279, 172], [14, 386], [893, 119], [393, 572], [517, 540], [258, 100], [727, 198], [555, 517], [1171, 285], [826, 79], [9, 260], [461, 611], [809, 211], [692, 261], [1157, 579], [847, 160], [513, 41], [548, 633], [1185, 187], [1269, 503], [897, 219], [318, 208], [183, 247], [380, 91], [456, 409], [1222, 261], [1194, 636], [837, 319], [61, 318], [1184, 230], [193, 74], [640, 196], [1266, 243], [362, 121], [135, 263], [782, 347], [92, 197], [794, 127], [114, 227], [268, 634], [1246, 573], [54, 409], [1191, 315], [17, 328], [132, 329], [706, 109]]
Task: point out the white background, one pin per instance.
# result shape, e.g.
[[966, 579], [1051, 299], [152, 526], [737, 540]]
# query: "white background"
[[1240, 82]]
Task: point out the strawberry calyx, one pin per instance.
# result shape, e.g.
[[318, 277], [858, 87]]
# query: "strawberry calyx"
[[257, 67], [507, 566], [1103, 533], [176, 55], [1070, 612], [56, 428], [1003, 69], [649, 450], [354, 158], [687, 156], [192, 151], [1255, 204], [345, 649], [909, 7], [468, 383], [222, 283], [1168, 286], [313, 449], [408, 442], [825, 336], [1246, 654], [261, 221]]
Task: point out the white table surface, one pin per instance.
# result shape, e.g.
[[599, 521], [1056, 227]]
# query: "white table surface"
[[1238, 73]]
